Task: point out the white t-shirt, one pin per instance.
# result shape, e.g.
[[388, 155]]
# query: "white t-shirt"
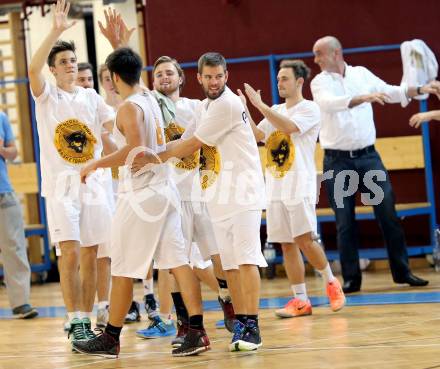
[[233, 178], [155, 140], [290, 168], [69, 129], [186, 171]]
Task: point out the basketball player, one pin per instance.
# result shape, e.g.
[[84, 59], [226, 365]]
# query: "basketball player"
[[118, 34], [85, 79], [85, 75], [290, 131], [145, 211], [168, 82], [234, 190], [70, 121]]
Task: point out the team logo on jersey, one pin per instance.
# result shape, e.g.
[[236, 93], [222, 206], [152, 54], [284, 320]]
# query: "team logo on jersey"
[[74, 141], [280, 154], [209, 165], [174, 132]]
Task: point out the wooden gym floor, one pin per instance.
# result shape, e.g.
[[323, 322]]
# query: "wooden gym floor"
[[385, 326]]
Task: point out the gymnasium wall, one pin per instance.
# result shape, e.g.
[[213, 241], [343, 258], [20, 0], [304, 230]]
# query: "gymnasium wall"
[[187, 28], [36, 23]]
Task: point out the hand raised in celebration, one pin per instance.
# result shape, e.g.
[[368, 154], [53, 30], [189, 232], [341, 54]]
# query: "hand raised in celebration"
[[115, 29], [60, 12]]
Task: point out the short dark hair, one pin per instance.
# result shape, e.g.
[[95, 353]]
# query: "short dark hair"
[[211, 59], [299, 68], [85, 66], [59, 47], [126, 63], [167, 59]]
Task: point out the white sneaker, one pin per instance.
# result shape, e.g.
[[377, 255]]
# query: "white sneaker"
[[102, 317], [66, 324]]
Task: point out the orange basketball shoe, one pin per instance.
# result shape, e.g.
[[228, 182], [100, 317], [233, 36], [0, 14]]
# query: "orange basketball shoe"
[[295, 308], [335, 295]]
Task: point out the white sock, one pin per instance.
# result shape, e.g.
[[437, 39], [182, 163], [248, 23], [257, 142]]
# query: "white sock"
[[166, 318], [72, 315], [148, 286], [300, 291], [85, 314], [102, 304], [327, 274], [224, 294]]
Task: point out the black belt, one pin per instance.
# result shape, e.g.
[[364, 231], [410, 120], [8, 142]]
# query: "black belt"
[[349, 154]]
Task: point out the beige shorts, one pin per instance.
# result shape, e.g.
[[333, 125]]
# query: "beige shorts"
[[197, 227], [87, 222], [284, 223], [143, 230], [238, 240]]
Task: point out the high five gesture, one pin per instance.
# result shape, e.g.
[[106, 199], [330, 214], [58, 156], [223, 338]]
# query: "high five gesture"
[[64, 71], [60, 12]]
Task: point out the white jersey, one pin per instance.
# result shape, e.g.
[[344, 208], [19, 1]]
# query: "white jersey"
[[69, 128], [231, 167], [186, 171], [290, 166], [155, 141]]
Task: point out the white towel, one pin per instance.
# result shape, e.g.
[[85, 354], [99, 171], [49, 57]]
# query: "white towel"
[[419, 64]]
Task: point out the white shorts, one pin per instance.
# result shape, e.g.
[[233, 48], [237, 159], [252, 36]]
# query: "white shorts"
[[104, 248], [196, 259], [78, 220], [147, 229], [284, 223], [238, 240], [197, 227]]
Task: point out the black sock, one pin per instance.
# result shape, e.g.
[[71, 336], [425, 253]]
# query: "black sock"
[[181, 312], [150, 296], [222, 283], [196, 322], [253, 317], [241, 318], [113, 331]]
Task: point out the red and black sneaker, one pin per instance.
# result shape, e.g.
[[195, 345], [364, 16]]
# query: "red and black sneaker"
[[228, 312], [195, 342], [102, 345], [182, 330]]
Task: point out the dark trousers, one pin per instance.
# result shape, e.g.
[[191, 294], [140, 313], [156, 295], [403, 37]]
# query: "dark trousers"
[[385, 213]]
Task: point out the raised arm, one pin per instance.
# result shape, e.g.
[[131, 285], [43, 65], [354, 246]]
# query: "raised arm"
[[278, 120], [60, 23], [115, 29]]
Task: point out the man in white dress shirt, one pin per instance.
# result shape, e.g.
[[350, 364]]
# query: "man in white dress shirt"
[[345, 95]]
